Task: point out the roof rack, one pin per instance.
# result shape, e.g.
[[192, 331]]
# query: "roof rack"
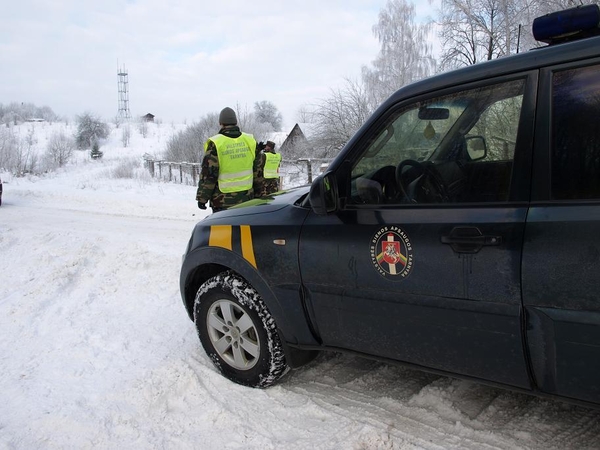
[[567, 25]]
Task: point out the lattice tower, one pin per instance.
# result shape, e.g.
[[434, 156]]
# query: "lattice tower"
[[123, 88]]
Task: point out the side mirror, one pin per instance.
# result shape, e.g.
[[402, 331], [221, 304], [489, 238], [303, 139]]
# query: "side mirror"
[[476, 147], [323, 194]]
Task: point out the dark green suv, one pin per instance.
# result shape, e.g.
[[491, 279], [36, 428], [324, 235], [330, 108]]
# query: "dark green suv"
[[458, 232]]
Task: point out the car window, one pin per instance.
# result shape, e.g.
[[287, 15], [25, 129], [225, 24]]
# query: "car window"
[[454, 148], [576, 134]]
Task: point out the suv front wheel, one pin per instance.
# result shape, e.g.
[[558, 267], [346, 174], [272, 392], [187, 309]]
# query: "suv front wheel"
[[237, 331]]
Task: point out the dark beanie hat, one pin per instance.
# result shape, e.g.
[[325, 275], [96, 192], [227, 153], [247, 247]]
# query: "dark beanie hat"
[[270, 144], [227, 117]]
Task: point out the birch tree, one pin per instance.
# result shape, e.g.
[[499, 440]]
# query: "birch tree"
[[405, 55]]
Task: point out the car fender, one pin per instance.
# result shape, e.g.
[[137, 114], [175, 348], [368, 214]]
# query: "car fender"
[[204, 262]]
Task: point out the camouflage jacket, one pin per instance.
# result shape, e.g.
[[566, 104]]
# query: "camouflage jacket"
[[208, 186], [263, 186]]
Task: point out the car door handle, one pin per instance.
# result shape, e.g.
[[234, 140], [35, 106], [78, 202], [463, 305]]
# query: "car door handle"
[[469, 239]]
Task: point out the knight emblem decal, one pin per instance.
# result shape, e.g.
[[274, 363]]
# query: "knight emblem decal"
[[392, 252]]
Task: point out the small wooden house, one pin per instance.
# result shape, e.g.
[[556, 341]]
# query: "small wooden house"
[[297, 142]]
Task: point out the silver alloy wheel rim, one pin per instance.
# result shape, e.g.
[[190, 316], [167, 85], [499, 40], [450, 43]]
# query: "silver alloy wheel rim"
[[233, 334]]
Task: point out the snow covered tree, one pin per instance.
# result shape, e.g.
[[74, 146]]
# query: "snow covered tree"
[[405, 55], [15, 113], [266, 112], [89, 130]]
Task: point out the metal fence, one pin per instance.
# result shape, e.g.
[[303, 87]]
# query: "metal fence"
[[292, 172]]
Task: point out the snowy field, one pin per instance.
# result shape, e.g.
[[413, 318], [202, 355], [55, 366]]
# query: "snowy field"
[[97, 351]]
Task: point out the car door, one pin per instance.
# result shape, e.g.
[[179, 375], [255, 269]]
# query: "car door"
[[421, 261], [561, 294]]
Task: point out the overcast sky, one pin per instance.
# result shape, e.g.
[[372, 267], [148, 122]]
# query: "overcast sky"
[[184, 58]]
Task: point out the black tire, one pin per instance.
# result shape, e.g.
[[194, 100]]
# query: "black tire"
[[237, 331]]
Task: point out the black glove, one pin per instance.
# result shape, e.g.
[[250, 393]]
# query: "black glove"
[[261, 145], [201, 205]]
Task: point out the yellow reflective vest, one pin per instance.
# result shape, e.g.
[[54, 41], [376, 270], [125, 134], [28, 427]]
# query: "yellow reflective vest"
[[272, 165], [236, 160]]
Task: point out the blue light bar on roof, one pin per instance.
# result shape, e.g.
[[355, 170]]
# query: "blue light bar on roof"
[[563, 25]]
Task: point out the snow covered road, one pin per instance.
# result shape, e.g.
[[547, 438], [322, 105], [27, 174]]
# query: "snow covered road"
[[97, 351]]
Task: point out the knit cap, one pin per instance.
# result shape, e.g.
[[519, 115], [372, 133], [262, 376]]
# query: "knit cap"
[[227, 117]]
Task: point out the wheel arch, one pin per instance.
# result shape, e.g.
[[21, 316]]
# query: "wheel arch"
[[206, 262]]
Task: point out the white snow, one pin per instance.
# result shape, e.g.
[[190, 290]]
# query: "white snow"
[[97, 351]]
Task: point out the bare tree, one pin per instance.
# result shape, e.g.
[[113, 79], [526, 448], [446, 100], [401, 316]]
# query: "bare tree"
[[249, 122], [143, 128], [473, 31], [17, 154], [59, 149], [10, 149], [305, 114], [338, 117], [405, 55], [188, 145], [27, 159]]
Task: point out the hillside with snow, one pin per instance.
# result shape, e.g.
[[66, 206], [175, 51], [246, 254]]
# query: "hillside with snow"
[[97, 351]]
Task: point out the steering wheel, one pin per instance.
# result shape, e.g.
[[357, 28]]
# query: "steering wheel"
[[425, 183]]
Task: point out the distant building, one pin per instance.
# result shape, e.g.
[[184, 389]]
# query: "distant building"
[[298, 140], [148, 117], [300, 161]]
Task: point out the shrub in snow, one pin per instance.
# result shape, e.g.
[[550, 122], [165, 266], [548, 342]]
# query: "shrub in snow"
[[59, 149], [125, 169]]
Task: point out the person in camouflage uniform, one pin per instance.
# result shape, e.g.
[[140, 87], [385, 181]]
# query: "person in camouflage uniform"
[[266, 183], [208, 186]]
